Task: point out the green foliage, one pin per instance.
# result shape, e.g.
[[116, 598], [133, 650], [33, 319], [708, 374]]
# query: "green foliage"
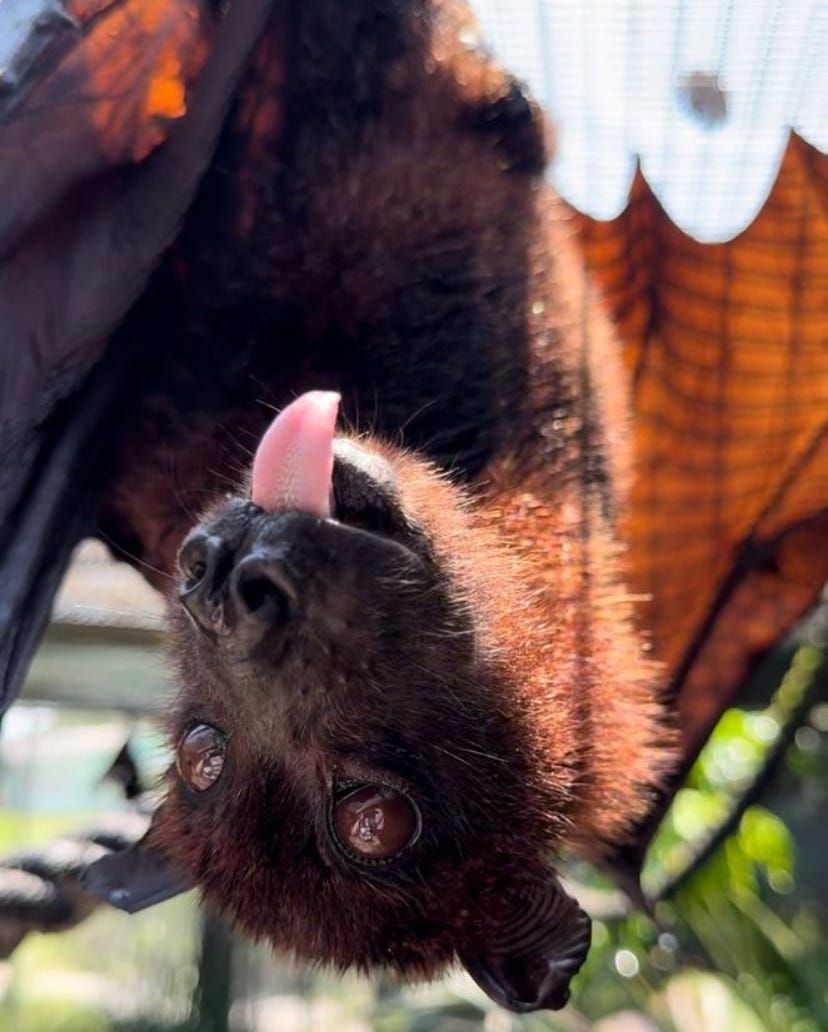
[[61, 1016], [745, 932]]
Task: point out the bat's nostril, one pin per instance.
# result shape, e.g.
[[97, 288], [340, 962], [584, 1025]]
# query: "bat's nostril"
[[199, 558], [258, 592], [203, 561], [261, 590]]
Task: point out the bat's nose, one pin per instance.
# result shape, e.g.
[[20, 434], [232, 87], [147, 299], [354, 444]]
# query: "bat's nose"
[[205, 562], [243, 599], [261, 592]]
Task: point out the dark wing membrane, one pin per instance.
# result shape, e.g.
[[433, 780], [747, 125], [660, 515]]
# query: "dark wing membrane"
[[728, 346], [105, 132], [89, 86]]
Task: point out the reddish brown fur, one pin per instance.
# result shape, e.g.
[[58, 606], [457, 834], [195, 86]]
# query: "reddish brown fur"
[[545, 734], [413, 261]]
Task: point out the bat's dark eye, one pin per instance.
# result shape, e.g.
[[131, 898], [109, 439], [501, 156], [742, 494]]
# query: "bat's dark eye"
[[201, 757], [376, 823]]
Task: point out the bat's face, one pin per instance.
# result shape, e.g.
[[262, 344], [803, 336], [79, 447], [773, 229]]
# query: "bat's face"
[[351, 780], [336, 762]]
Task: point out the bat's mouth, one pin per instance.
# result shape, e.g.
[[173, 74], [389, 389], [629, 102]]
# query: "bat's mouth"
[[293, 465], [323, 527], [317, 558]]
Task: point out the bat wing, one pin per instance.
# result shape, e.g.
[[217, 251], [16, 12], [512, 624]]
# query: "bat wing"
[[691, 148], [109, 114], [727, 346]]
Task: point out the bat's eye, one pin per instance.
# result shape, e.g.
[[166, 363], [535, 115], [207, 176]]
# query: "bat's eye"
[[201, 757], [375, 822]]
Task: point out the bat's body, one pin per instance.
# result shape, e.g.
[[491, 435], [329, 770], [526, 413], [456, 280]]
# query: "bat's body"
[[390, 708], [487, 670]]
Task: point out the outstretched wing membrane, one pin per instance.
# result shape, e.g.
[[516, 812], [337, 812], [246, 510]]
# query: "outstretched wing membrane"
[[728, 347]]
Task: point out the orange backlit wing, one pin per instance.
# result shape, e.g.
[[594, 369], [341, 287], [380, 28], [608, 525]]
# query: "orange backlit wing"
[[728, 347]]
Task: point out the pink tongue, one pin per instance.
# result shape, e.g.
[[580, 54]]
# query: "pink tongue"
[[293, 466]]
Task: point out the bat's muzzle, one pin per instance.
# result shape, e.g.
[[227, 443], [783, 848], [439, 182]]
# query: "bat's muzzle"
[[244, 598]]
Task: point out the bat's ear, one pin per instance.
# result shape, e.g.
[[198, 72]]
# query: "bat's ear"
[[135, 878], [526, 942]]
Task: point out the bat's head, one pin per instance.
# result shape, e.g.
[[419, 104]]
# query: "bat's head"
[[356, 779]]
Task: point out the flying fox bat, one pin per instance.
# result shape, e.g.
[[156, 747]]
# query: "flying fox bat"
[[390, 710], [409, 670]]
